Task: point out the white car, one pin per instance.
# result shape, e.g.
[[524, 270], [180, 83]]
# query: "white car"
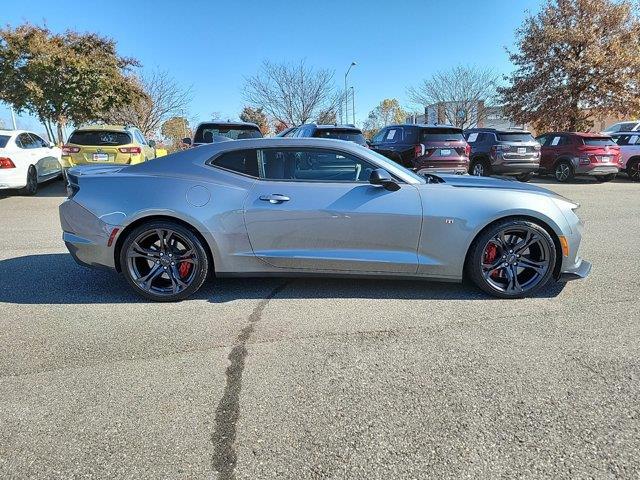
[[628, 126], [26, 160]]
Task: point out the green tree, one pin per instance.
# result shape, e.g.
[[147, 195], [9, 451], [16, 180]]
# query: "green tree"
[[61, 78], [257, 116], [387, 112], [174, 130], [574, 60]]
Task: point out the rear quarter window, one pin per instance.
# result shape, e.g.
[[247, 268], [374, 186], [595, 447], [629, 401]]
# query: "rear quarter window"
[[239, 161], [99, 137], [4, 139]]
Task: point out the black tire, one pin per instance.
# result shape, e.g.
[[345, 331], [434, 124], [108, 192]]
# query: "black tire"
[[164, 280], [65, 179], [633, 169], [533, 265], [480, 167], [31, 188], [524, 177], [563, 171], [605, 178]]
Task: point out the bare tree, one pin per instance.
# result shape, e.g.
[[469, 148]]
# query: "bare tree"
[[163, 99], [291, 93], [458, 94]]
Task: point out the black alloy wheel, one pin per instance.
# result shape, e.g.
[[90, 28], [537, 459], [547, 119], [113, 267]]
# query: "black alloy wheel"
[[164, 261], [512, 259]]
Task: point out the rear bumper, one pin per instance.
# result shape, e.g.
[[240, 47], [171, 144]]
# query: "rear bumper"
[[86, 236], [511, 167], [451, 170], [13, 178], [597, 170]]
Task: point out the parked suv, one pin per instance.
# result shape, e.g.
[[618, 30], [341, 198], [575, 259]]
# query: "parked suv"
[[221, 131], [424, 148], [340, 132], [568, 154], [628, 126], [629, 143], [504, 152]]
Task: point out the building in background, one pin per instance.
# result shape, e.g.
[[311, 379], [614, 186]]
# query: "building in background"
[[492, 117]]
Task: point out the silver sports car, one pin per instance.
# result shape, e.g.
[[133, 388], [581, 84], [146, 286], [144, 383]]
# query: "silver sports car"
[[293, 207]]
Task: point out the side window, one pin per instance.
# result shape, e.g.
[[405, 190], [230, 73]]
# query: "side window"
[[378, 137], [634, 139], [24, 140], [139, 137], [473, 137], [394, 135], [542, 140], [555, 141], [240, 161], [312, 165], [622, 139], [37, 141]]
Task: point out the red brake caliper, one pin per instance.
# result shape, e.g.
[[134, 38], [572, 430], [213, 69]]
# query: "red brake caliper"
[[490, 255], [184, 268]]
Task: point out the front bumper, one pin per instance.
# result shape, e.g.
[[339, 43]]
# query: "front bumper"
[[578, 272]]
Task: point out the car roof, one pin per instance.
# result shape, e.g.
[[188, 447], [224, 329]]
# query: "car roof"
[[424, 125], [228, 122], [333, 126], [117, 128], [578, 134], [625, 132], [498, 130]]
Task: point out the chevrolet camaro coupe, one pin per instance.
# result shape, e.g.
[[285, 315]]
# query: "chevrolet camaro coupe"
[[307, 206]]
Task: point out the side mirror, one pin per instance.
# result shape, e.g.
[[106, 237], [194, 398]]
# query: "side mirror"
[[381, 177], [186, 141], [152, 143]]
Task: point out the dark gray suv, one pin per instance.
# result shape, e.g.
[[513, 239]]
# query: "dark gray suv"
[[503, 152]]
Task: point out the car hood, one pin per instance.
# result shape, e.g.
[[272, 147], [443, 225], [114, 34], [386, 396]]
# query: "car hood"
[[506, 183]]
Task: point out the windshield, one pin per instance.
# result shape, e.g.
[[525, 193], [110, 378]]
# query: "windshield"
[[4, 139], [385, 161], [349, 135], [515, 137], [441, 135], [99, 137], [599, 142], [210, 133]]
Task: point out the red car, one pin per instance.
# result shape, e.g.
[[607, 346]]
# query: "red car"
[[570, 154]]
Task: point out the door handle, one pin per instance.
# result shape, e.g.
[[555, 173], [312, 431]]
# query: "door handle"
[[275, 198]]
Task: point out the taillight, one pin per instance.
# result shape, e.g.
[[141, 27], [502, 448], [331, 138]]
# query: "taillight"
[[467, 150], [418, 150], [131, 150], [67, 150], [6, 162]]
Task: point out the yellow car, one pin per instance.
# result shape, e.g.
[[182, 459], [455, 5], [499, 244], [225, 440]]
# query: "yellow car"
[[109, 144]]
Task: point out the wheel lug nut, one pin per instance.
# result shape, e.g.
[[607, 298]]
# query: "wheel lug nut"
[[510, 251], [164, 268], [157, 262], [173, 263], [161, 254]]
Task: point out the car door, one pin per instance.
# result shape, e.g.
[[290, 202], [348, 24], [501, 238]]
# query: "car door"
[[314, 209], [551, 150], [47, 160]]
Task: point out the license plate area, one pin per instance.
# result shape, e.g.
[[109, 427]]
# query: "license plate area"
[[605, 159], [522, 150], [445, 152], [100, 157]]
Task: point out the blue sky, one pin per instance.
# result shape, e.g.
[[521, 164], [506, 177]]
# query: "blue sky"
[[212, 45]]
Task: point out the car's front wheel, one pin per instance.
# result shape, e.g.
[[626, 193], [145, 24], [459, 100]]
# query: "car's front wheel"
[[512, 259], [164, 261]]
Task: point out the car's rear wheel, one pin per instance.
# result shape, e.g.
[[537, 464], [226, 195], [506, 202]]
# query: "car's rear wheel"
[[480, 168], [605, 178], [512, 259], [633, 170], [164, 261], [31, 188], [524, 177], [564, 171]]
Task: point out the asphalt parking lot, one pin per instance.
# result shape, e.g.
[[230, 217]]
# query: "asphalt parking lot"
[[311, 379]]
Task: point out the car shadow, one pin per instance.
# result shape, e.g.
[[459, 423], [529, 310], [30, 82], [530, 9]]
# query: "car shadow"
[[56, 279], [577, 181]]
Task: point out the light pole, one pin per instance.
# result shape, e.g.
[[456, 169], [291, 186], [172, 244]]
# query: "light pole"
[[346, 93], [353, 105], [13, 117]]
